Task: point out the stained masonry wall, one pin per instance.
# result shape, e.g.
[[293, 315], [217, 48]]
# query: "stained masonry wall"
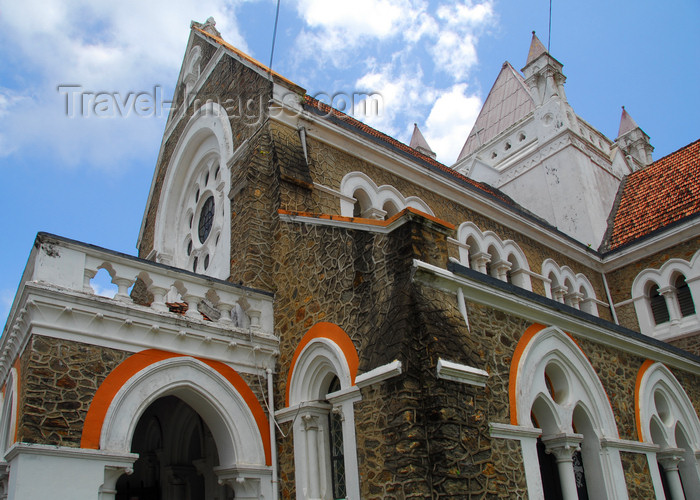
[[233, 86], [418, 436], [59, 379], [329, 165]]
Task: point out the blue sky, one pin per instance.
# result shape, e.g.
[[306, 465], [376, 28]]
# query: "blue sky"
[[433, 62]]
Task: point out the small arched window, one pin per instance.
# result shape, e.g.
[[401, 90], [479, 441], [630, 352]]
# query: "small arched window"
[[335, 442], [658, 305], [362, 204], [685, 299]]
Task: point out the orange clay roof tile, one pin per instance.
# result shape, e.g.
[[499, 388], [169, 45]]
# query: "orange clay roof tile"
[[665, 192]]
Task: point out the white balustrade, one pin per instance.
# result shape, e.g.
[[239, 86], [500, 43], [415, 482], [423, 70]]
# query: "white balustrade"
[[73, 265]]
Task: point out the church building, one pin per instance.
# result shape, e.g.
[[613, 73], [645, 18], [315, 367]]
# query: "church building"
[[319, 311]]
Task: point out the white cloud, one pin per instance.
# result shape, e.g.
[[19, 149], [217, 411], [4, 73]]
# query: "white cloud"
[[375, 18], [450, 120], [455, 48], [334, 28], [402, 97], [126, 46]]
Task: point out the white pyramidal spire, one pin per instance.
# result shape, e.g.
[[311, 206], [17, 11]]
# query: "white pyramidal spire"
[[419, 143], [633, 142]]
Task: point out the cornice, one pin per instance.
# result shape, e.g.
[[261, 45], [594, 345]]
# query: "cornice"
[[502, 296]]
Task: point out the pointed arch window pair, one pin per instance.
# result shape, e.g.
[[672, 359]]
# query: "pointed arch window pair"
[[683, 297], [665, 299]]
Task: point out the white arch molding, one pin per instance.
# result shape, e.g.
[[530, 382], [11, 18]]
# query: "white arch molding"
[[483, 250], [666, 417], [565, 286], [578, 399], [677, 326], [374, 199], [198, 169], [231, 422], [319, 361], [8, 413]]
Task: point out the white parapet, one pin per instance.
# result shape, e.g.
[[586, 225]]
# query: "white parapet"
[[222, 321]]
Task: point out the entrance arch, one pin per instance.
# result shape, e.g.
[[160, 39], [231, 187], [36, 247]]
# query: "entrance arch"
[[214, 392], [177, 456]]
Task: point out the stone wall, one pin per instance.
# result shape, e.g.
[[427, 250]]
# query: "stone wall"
[[328, 166], [637, 475], [59, 381]]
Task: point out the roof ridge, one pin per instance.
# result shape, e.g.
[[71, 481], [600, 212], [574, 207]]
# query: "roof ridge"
[[670, 154], [354, 122], [246, 57]]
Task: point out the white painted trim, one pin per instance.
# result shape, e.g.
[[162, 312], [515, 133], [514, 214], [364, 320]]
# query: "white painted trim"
[[125, 458], [379, 374], [482, 293], [628, 446], [333, 192], [509, 431], [463, 374], [360, 226], [216, 401], [396, 164], [352, 393], [114, 324]]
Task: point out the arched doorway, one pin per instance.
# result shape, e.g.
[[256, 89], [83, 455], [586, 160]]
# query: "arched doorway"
[[197, 399], [177, 456]]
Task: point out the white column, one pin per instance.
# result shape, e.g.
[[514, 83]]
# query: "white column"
[[669, 460], [479, 261], [563, 446], [558, 293], [311, 428], [502, 267], [674, 310]]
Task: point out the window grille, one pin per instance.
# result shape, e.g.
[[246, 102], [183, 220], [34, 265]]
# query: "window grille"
[[658, 305], [685, 299]]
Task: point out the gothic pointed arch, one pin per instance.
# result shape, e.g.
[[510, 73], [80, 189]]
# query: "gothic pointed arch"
[[486, 252], [665, 299], [361, 197], [666, 417], [554, 386]]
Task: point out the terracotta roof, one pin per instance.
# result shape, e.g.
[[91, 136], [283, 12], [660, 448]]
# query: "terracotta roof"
[[330, 112], [249, 59], [665, 192]]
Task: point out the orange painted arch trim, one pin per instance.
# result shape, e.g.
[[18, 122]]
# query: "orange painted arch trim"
[[515, 363], [92, 428], [336, 335], [364, 220], [637, 397]]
